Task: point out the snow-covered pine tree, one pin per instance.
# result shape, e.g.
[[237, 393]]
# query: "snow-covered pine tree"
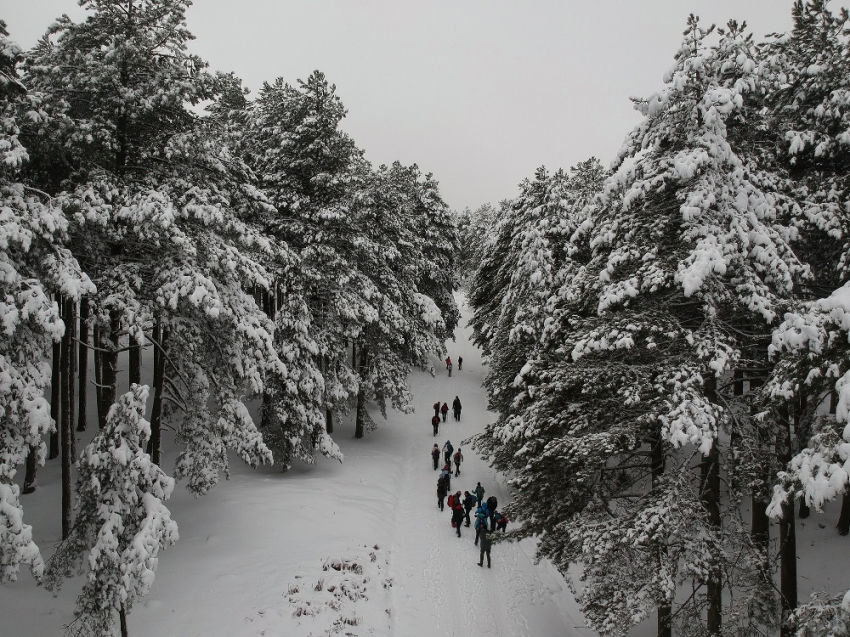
[[121, 522], [163, 217], [623, 402], [36, 265]]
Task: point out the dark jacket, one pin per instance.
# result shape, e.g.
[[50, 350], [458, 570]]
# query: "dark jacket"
[[492, 503], [442, 487], [469, 502], [456, 404], [457, 513], [484, 540]]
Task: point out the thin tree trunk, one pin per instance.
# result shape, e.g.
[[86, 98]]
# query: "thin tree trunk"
[[71, 370], [665, 610], [844, 518], [787, 538], [155, 442], [31, 475], [329, 422], [66, 432], [109, 366], [83, 358], [360, 423], [98, 376], [122, 614], [135, 364], [55, 393], [710, 496]]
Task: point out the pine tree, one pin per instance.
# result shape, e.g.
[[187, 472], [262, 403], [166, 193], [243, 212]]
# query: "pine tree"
[[121, 522]]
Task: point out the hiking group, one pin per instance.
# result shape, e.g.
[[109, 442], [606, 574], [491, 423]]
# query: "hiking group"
[[449, 364], [444, 410], [487, 518]]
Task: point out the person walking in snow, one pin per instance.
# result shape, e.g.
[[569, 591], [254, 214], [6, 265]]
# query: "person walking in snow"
[[457, 513], [468, 503], [479, 493], [501, 522], [435, 455], [444, 410], [442, 490], [492, 503], [482, 515], [437, 409], [459, 363], [458, 458], [446, 474], [448, 361], [450, 370], [485, 548], [447, 452], [435, 423], [456, 408]]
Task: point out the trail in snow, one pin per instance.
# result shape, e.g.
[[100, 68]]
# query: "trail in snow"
[[251, 553]]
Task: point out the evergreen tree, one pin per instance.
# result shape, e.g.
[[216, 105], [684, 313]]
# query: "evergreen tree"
[[121, 521]]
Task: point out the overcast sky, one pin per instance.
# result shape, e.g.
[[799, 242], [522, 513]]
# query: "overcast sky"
[[478, 92]]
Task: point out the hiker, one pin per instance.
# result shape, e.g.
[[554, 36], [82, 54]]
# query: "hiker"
[[445, 410], [456, 408], [457, 513], [479, 492], [501, 522], [435, 454], [485, 548], [435, 422], [437, 409], [450, 370], [446, 474], [468, 503], [458, 458], [447, 452], [448, 361], [459, 363], [481, 517], [492, 503], [442, 489]]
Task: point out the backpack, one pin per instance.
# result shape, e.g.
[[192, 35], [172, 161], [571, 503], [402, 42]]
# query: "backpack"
[[449, 447], [457, 457], [451, 501]]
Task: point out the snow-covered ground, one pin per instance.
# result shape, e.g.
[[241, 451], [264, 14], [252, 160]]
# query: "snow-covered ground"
[[253, 552], [353, 549]]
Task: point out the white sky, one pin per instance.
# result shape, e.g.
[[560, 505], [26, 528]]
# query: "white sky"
[[478, 92]]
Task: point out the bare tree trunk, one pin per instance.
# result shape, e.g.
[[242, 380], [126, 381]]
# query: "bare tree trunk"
[[787, 537], [31, 475], [109, 366], [359, 426], [66, 431], [83, 358], [98, 376], [710, 496], [665, 610], [71, 370], [122, 614], [155, 442], [329, 422], [55, 393], [844, 518], [135, 363]]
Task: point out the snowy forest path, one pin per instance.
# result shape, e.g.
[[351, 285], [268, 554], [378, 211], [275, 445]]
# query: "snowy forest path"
[[438, 587]]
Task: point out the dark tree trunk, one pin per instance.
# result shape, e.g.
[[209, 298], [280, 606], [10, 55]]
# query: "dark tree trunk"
[[787, 536], [155, 442], [65, 429], [55, 393], [71, 370], [98, 376], [710, 496], [665, 610], [844, 518], [122, 614], [109, 366], [760, 522], [83, 358], [31, 475], [135, 362], [329, 421], [360, 423]]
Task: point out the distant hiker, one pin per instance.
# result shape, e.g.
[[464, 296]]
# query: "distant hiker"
[[458, 458], [456, 408], [492, 503], [485, 548], [445, 410], [457, 513], [468, 503], [501, 522], [450, 370], [435, 422], [459, 363], [446, 474], [479, 493], [437, 409], [448, 450], [435, 454], [481, 517], [448, 361], [442, 489]]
